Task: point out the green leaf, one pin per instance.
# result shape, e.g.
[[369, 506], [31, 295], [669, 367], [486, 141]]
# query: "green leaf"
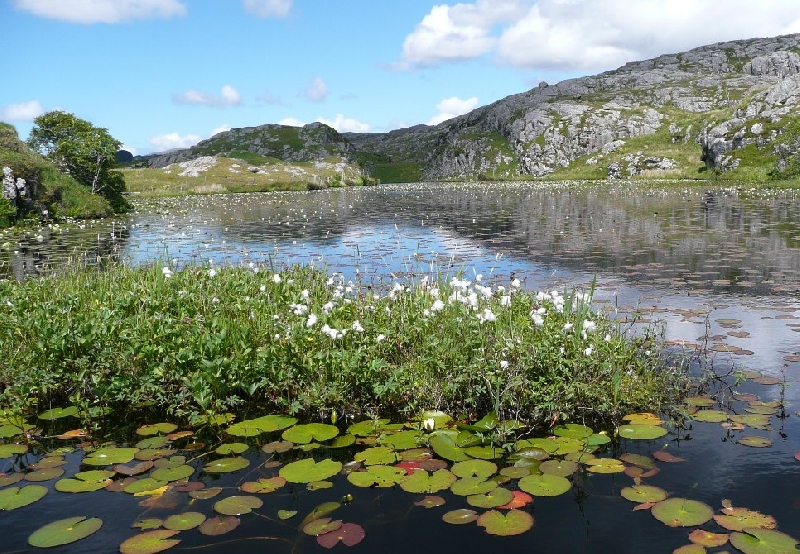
[[377, 455], [368, 427], [641, 432], [307, 470], [304, 434], [472, 485], [231, 448], [226, 465], [264, 424], [64, 531], [474, 468], [263, 486], [515, 522], [16, 497], [58, 413], [643, 493], [763, 541], [219, 525], [156, 428], [564, 468], [9, 450], [184, 521], [573, 431], [237, 505], [424, 482], [498, 496], [170, 474], [545, 485], [110, 455], [460, 517], [681, 512], [444, 444], [377, 476], [150, 542], [402, 440]]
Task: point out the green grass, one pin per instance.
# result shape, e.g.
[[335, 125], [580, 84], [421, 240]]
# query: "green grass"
[[397, 172], [199, 341]]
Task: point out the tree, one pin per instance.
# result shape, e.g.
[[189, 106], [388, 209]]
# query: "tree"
[[85, 152]]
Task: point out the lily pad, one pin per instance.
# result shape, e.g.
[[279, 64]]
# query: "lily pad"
[[573, 431], [520, 500], [460, 517], [307, 470], [643, 418], [277, 447], [85, 481], [756, 421], [231, 448], [641, 432], [488, 452], [403, 440], [58, 413], [682, 512], [321, 526], [264, 424], [710, 416], [219, 525], [515, 472], [498, 496], [605, 465], [319, 485], [237, 505], [64, 531], [184, 521], [707, 539], [156, 428], [349, 533], [643, 493], [379, 455], [226, 465], [153, 442], [545, 485], [46, 474], [304, 434], [377, 476], [430, 502], [423, 482], [514, 522], [283, 515], [110, 455], [263, 486], [140, 486], [472, 485], [664, 456], [754, 442], [368, 427], [148, 524], [342, 441], [444, 444], [16, 497], [564, 468], [150, 542], [597, 439], [205, 494], [763, 541], [474, 468], [170, 474], [740, 519], [320, 511]]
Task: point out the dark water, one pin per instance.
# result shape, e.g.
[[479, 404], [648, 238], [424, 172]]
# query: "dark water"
[[719, 269]]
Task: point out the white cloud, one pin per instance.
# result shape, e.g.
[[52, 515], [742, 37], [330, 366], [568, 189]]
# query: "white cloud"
[[24, 111], [459, 32], [170, 141], [291, 122], [228, 96], [221, 129], [452, 107], [268, 8], [317, 90], [345, 124], [130, 149], [102, 11]]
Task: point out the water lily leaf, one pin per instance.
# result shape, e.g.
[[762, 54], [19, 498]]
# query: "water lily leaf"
[[474, 468], [443, 443], [153, 442], [460, 517], [440, 419], [641, 432], [133, 470], [545, 485], [184, 521], [237, 505], [643, 418], [350, 534], [58, 413], [767, 380], [277, 447], [707, 539], [231, 448], [170, 474], [368, 427], [710, 416], [321, 526], [643, 493], [402, 440], [110, 455], [283, 515], [226, 465], [472, 485], [564, 468], [492, 499], [304, 434], [515, 472], [488, 452], [520, 500], [760, 409], [377, 476], [756, 421], [567, 445], [264, 424], [46, 474], [307, 470], [514, 522], [150, 454], [320, 511], [548, 445], [664, 456], [639, 460], [150, 542], [263, 486], [740, 519], [754, 442], [376, 455], [10, 479], [205, 494], [597, 439], [465, 439], [16, 497], [48, 462], [143, 485], [430, 502], [763, 541], [605, 465], [579, 457], [219, 525], [177, 435], [9, 450], [64, 531], [682, 512], [156, 428], [319, 485], [72, 434], [690, 549], [148, 524], [699, 401], [423, 482], [573, 431], [167, 463], [342, 441]]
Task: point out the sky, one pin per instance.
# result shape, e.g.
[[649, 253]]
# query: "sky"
[[163, 74]]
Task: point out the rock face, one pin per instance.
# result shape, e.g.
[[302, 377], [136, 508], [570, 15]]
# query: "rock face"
[[14, 190], [719, 98]]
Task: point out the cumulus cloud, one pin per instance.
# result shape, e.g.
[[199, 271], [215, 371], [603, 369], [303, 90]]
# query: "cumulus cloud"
[[345, 124], [268, 8], [170, 141], [452, 107], [317, 90], [24, 111], [228, 96], [291, 122], [587, 35], [102, 11]]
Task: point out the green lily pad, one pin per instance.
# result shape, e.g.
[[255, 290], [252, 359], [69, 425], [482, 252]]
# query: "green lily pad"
[[264, 424], [16, 497], [486, 423], [184, 521], [237, 505], [342, 441], [741, 519], [605, 465], [150, 454], [143, 485], [460, 517], [641, 432], [710, 416], [472, 485], [368, 427], [573, 431], [9, 450], [756, 421], [682, 512], [205, 494], [10, 479], [110, 455], [699, 401], [443, 443], [430, 502], [597, 439], [263, 486], [377, 476], [153, 442], [304, 434], [564, 468], [170, 474], [231, 448], [226, 465], [64, 531], [545, 485], [85, 481], [514, 522], [307, 470], [319, 485], [513, 472], [215, 526], [277, 447], [488, 452], [150, 542], [379, 455], [498, 496], [283, 515], [321, 526], [46, 474], [763, 541], [549, 446], [643, 493], [156, 428], [423, 482], [402, 440], [474, 468], [148, 524], [320, 511], [440, 419], [58, 413], [638, 460], [754, 442], [167, 463]]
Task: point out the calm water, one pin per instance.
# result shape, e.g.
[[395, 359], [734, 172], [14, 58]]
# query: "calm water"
[[716, 268]]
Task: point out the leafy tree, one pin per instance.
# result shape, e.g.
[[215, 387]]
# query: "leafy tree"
[[85, 152]]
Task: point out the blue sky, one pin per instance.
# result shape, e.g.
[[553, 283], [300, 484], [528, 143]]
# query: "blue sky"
[[161, 74]]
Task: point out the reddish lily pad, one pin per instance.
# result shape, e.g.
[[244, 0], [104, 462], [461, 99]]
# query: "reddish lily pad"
[[708, 539], [133, 470], [430, 502], [424, 482], [520, 500], [514, 522], [219, 525], [763, 541], [690, 549], [64, 531], [277, 447], [184, 521], [150, 542], [682, 512], [321, 526], [349, 533], [740, 519], [16, 497], [263, 486], [237, 505], [663, 456], [460, 517]]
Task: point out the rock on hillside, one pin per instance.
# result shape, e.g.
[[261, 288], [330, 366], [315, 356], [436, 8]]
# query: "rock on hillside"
[[717, 99]]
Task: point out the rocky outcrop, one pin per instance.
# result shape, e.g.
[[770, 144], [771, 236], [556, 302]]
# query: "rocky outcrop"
[[14, 190]]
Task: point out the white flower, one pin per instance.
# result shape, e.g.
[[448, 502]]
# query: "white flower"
[[357, 327], [438, 306], [515, 283], [429, 424], [212, 272], [380, 338], [505, 300], [607, 338], [167, 272], [588, 351], [262, 288], [304, 294], [276, 279], [567, 326], [503, 364], [327, 307], [299, 309], [487, 315], [312, 320], [589, 326], [537, 319]]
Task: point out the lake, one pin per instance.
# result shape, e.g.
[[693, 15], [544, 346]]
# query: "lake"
[[719, 269]]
